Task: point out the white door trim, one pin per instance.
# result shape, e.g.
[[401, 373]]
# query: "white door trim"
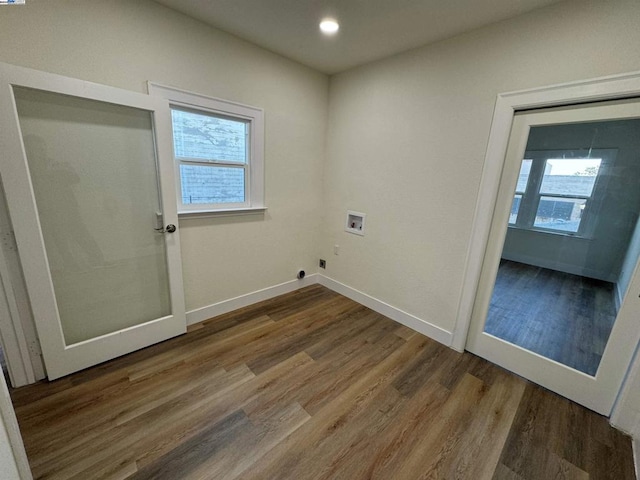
[[20, 343], [12, 337], [626, 414], [603, 88]]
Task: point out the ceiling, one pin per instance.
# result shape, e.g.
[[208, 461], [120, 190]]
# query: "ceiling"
[[369, 29]]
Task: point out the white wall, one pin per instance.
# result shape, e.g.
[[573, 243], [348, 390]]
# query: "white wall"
[[124, 44], [407, 138]]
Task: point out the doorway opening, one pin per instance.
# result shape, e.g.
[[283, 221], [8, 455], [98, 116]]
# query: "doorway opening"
[[562, 251], [571, 241]]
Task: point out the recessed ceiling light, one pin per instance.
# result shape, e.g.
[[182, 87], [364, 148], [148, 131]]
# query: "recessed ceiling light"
[[329, 26]]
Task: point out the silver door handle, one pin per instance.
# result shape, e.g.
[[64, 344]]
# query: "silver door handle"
[[168, 229]]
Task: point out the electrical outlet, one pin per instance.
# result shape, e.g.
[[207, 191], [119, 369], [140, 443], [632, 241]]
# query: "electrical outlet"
[[323, 263], [336, 249]]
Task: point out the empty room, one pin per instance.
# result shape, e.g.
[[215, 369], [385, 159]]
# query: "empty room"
[[265, 239]]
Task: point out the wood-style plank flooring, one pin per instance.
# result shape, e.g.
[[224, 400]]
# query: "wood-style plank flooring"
[[309, 385], [564, 317]]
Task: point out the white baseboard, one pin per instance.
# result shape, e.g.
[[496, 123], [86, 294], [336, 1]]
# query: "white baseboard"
[[411, 321], [226, 306], [559, 266]]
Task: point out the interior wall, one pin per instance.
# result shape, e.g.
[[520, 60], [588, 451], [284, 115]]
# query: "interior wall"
[[615, 204], [125, 44], [407, 137]]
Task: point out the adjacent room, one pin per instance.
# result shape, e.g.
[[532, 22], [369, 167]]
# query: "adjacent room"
[[572, 241], [260, 239]]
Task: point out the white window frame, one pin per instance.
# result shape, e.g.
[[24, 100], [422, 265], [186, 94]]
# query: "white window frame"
[[531, 197], [254, 170], [521, 192]]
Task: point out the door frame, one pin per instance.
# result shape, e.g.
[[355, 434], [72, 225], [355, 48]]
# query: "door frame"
[[20, 343], [595, 391], [507, 104], [30, 242], [24, 367]]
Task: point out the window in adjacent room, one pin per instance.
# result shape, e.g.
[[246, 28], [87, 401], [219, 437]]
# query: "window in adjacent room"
[[218, 152], [554, 193], [523, 178]]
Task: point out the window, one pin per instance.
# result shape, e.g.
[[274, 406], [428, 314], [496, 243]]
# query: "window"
[[523, 178], [218, 152], [554, 191]]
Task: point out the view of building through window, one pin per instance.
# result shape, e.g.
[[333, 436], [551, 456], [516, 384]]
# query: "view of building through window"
[[205, 184], [563, 187], [213, 154]]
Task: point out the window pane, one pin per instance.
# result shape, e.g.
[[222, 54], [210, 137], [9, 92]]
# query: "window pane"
[[205, 184], [570, 176], [562, 214], [523, 178], [207, 137], [515, 206]]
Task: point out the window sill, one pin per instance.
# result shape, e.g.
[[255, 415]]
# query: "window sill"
[[222, 212], [550, 232]]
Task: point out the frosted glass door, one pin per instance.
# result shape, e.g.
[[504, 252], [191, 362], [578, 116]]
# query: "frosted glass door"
[[558, 296], [90, 188], [93, 171]]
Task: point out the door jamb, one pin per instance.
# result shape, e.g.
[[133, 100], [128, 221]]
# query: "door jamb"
[[12, 338], [19, 341]]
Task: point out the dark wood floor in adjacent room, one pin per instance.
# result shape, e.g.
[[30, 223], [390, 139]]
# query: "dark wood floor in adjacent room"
[[310, 385], [564, 317]]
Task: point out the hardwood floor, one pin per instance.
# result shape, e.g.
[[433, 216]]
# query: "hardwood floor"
[[564, 317], [309, 385]]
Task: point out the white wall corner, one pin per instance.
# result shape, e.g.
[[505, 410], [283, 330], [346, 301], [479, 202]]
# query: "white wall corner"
[[419, 325], [204, 313]]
